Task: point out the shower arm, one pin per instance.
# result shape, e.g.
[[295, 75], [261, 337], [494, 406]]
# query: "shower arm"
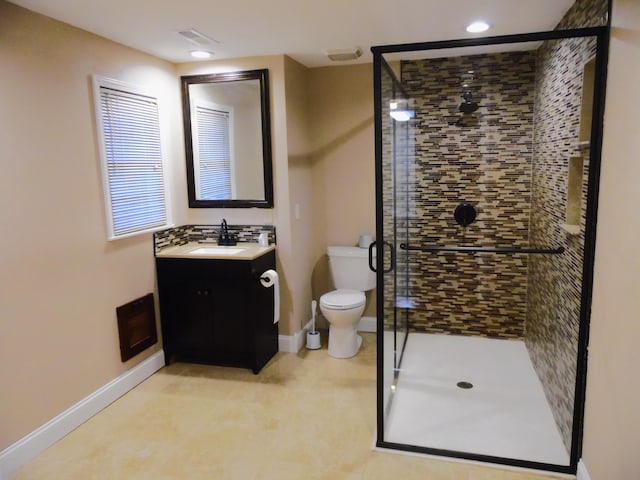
[[427, 248]]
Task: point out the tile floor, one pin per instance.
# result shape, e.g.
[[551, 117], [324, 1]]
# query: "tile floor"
[[305, 416], [505, 414]]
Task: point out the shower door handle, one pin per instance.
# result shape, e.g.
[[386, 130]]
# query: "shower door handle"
[[371, 265], [392, 263], [392, 249]]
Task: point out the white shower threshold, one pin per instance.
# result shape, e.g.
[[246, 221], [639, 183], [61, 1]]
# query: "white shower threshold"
[[505, 414]]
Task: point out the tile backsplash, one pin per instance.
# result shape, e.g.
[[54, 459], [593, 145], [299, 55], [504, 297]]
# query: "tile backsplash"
[[208, 233]]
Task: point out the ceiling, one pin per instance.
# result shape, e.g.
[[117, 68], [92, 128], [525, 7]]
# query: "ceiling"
[[302, 29]]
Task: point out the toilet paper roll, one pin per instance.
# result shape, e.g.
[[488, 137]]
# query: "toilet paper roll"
[[270, 279]]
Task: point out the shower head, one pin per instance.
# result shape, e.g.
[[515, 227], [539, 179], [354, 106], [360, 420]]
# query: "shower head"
[[468, 105]]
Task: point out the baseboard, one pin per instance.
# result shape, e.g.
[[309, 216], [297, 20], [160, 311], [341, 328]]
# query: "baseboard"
[[308, 326], [368, 324], [582, 473], [291, 343], [30, 446]]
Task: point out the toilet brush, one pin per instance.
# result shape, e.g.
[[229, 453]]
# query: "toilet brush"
[[313, 337]]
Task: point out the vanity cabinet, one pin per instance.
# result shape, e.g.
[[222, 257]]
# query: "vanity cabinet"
[[216, 311]]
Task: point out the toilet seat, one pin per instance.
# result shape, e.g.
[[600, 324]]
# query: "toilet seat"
[[342, 299]]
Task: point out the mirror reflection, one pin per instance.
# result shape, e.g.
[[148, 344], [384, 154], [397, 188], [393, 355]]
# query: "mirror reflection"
[[227, 139]]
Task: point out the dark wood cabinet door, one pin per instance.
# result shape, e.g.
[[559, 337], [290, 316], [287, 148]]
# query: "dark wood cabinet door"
[[217, 312], [233, 330], [193, 321]]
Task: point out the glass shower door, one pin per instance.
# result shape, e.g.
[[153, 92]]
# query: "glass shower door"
[[471, 381], [392, 266]]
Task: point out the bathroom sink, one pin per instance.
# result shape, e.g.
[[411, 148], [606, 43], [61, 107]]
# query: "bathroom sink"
[[196, 251], [215, 251]]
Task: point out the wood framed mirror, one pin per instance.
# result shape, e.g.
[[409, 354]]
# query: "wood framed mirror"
[[227, 127]]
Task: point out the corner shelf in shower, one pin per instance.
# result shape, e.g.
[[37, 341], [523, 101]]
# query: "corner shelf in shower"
[[571, 229], [573, 207]]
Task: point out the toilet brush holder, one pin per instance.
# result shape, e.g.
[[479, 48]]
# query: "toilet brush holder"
[[313, 340]]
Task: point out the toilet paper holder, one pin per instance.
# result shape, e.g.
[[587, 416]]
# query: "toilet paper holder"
[[270, 279]]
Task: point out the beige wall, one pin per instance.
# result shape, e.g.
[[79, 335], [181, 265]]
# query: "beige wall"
[[204, 216], [612, 418], [60, 279], [343, 164], [279, 215], [300, 188]]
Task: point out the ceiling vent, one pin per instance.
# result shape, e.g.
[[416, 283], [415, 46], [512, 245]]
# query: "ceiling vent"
[[344, 54], [197, 38]]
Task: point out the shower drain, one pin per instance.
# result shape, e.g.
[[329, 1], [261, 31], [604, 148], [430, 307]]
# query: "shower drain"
[[465, 385]]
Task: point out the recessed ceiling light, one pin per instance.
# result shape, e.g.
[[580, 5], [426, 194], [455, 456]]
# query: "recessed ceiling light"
[[478, 27], [200, 54]]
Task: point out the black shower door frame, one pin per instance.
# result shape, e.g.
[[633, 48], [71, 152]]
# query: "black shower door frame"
[[386, 254]]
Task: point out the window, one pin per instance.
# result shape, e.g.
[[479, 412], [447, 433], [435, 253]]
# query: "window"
[[212, 127], [131, 158]]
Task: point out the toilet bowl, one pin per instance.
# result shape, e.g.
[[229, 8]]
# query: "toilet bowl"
[[344, 306], [343, 310]]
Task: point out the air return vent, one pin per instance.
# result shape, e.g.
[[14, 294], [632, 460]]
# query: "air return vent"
[[136, 326], [344, 54], [198, 38]]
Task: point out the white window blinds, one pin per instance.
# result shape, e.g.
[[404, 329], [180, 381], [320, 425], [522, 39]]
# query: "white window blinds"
[[212, 146], [131, 159]]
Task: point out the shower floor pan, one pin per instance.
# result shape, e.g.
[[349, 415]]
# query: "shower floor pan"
[[504, 413]]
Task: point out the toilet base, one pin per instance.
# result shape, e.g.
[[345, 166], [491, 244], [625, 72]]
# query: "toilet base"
[[343, 342]]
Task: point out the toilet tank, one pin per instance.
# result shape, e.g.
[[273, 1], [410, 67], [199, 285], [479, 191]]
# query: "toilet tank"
[[350, 268]]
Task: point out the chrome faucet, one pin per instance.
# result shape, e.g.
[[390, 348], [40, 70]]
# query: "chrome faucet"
[[225, 238]]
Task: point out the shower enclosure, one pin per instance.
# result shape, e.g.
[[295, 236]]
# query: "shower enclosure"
[[487, 163]]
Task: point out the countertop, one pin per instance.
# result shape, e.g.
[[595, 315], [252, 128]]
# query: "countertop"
[[195, 250]]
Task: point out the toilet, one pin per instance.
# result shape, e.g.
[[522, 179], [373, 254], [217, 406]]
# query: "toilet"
[[343, 307]]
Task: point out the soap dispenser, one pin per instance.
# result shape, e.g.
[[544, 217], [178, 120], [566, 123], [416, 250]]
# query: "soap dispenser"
[[263, 239]]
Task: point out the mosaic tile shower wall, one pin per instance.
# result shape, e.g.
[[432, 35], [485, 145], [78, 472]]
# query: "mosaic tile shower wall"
[[483, 158], [585, 13], [388, 90], [555, 283]]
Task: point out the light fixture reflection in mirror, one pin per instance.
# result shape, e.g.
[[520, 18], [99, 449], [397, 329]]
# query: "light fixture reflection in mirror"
[[228, 139]]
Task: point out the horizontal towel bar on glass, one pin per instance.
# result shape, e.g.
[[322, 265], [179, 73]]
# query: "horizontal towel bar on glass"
[[549, 251]]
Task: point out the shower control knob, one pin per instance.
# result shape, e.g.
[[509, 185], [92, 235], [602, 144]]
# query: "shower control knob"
[[465, 214]]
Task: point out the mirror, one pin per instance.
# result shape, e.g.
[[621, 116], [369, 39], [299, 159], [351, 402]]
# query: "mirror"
[[227, 132]]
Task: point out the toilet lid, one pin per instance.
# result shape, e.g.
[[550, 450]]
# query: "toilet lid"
[[342, 299]]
